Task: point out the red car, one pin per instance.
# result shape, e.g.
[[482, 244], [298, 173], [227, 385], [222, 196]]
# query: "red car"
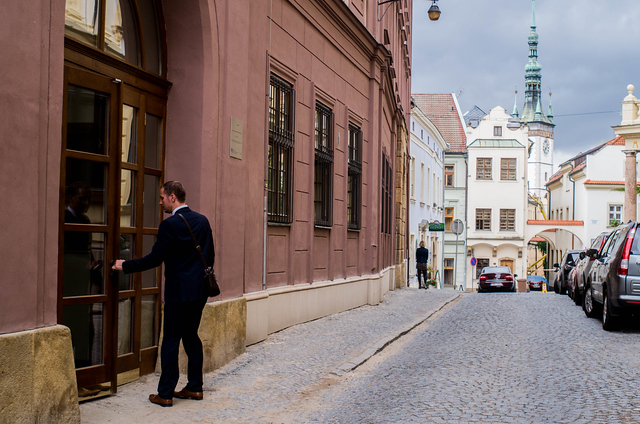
[[496, 278]]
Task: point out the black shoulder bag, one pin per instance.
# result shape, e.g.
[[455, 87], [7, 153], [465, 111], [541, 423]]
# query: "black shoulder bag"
[[214, 290]]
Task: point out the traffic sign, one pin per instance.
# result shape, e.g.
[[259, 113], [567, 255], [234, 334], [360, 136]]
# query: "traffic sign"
[[474, 261], [457, 226]]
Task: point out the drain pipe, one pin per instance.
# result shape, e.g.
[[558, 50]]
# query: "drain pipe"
[[573, 206]]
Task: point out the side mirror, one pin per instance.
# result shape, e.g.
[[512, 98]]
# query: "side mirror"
[[582, 255], [515, 275], [556, 265], [592, 253]]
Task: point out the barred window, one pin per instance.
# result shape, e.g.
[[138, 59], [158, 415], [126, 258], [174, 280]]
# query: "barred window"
[[483, 168], [507, 219], [280, 157], [483, 219], [387, 195], [508, 169], [354, 183], [322, 205], [497, 131]]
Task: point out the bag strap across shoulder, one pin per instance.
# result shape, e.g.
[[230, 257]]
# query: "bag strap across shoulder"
[[198, 248]]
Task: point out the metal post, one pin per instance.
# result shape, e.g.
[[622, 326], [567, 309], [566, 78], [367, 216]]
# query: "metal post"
[[455, 265]]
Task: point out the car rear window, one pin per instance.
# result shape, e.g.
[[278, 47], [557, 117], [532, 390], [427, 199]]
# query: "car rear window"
[[495, 269]]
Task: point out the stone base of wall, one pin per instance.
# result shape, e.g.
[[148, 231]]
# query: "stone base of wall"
[[222, 331], [37, 377], [401, 274], [274, 309]]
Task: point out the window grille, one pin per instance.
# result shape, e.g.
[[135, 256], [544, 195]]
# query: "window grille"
[[354, 183], [280, 157], [323, 166]]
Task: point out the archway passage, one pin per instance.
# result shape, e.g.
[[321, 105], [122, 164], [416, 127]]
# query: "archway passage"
[[111, 170]]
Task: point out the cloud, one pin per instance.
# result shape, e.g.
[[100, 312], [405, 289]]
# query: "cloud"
[[588, 51]]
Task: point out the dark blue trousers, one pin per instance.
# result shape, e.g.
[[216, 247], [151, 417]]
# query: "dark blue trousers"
[[181, 322]]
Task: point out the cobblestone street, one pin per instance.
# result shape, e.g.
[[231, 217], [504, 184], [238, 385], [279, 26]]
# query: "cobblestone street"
[[444, 357]]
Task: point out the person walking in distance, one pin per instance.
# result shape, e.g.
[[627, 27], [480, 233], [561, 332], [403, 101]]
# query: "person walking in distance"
[[185, 290], [422, 256]]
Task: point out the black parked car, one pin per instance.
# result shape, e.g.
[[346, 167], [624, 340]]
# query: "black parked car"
[[569, 260], [584, 266], [613, 283]]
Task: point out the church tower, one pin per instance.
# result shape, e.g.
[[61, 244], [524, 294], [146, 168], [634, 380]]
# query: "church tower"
[[540, 124]]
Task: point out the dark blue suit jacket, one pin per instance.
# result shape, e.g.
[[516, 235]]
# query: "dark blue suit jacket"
[[184, 278]]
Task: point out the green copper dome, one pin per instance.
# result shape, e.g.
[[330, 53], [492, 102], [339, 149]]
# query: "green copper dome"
[[532, 110]]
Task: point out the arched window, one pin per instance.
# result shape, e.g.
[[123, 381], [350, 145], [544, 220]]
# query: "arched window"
[[117, 27]]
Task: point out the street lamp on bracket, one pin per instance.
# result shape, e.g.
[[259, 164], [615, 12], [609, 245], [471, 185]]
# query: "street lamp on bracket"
[[434, 10]]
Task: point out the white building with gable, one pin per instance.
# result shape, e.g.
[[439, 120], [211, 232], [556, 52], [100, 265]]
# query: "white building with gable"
[[426, 191], [588, 188], [497, 194]]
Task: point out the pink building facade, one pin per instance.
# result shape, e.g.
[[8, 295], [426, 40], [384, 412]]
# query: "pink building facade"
[[285, 121]]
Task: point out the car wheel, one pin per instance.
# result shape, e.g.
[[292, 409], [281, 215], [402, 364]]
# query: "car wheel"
[[577, 299], [562, 289], [608, 320], [588, 305]]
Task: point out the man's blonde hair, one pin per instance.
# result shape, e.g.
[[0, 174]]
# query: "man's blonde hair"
[[421, 243]]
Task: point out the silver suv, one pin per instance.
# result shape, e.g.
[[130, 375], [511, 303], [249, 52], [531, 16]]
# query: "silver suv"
[[584, 266], [613, 283]]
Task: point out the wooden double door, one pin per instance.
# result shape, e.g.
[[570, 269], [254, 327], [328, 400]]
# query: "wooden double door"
[[111, 171]]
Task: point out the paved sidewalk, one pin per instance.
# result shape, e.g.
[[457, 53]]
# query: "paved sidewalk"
[[272, 376]]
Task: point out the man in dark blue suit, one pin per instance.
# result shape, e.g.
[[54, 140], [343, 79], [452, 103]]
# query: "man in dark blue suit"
[[185, 290]]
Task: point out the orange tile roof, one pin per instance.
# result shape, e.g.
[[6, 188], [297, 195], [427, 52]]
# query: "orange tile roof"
[[553, 222], [618, 141], [555, 177], [604, 182], [538, 239], [441, 110], [578, 168]]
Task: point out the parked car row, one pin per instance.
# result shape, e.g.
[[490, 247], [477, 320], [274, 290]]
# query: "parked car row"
[[605, 279]]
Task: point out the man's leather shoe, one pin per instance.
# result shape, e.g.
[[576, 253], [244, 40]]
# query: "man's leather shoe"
[[160, 401], [186, 394]]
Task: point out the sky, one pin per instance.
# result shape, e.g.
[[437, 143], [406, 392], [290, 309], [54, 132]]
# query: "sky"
[[589, 51]]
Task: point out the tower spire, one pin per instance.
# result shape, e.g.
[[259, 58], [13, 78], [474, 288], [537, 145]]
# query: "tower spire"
[[515, 103], [533, 77], [533, 14], [550, 114]]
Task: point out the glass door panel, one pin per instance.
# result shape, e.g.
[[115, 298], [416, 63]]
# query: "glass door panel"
[[129, 133], [151, 198], [87, 118], [125, 325], [127, 198], [86, 322], [149, 326], [86, 192], [84, 254], [149, 277], [127, 249], [153, 141]]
